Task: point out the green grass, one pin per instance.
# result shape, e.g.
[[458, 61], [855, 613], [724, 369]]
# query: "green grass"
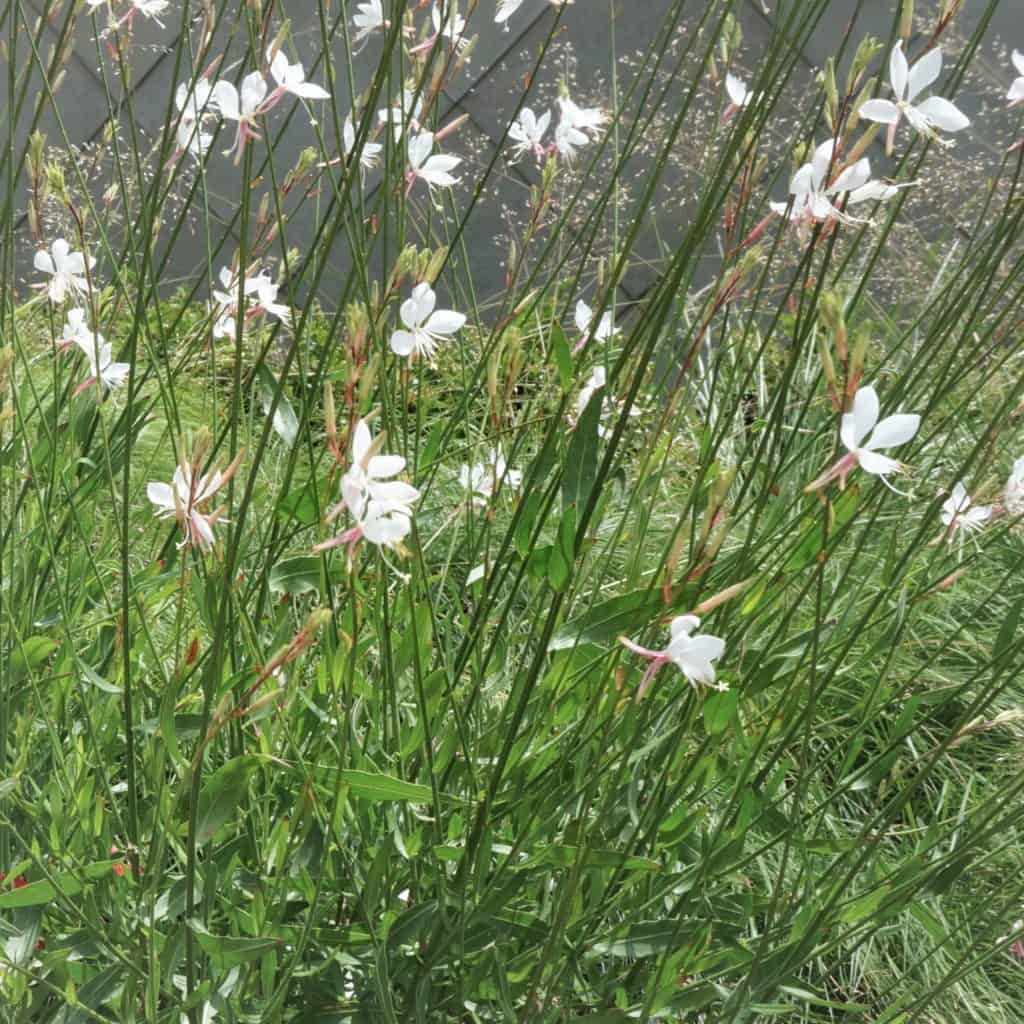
[[280, 786]]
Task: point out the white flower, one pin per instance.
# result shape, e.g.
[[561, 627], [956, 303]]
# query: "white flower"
[[225, 301], [692, 655], [603, 330], [959, 513], [194, 106], [434, 170], [75, 327], [891, 432], [406, 114], [587, 119], [183, 497], [452, 25], [907, 84], [1016, 93], [854, 427], [598, 379], [1013, 495], [151, 9], [506, 8], [291, 78], [102, 368], [368, 18], [739, 94], [574, 124], [266, 297], [609, 405], [813, 197], [66, 270], [527, 132], [241, 105], [483, 479], [192, 101], [380, 506], [426, 327], [370, 152]]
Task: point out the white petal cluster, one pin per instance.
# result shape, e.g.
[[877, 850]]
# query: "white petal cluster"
[[67, 270], [380, 505], [425, 327], [926, 117], [862, 421]]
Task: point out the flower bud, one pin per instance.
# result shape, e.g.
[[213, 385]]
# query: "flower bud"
[[434, 265], [868, 49]]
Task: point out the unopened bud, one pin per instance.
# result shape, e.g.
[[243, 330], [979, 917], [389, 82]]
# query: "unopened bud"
[[868, 49], [708, 606], [827, 77], [434, 264], [55, 181], [830, 310]]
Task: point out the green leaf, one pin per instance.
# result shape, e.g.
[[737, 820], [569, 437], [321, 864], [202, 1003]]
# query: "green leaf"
[[606, 622], [719, 710], [563, 554], [563, 356], [222, 794], [646, 938], [93, 677], [286, 423], [378, 787], [296, 576], [527, 521], [1007, 631], [581, 458], [567, 856], [229, 950], [28, 656], [299, 504], [66, 883]]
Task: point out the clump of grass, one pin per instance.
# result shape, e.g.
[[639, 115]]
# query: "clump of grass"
[[249, 772]]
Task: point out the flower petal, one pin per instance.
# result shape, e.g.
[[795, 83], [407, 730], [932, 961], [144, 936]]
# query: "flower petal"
[[423, 301], [44, 261], [160, 494], [225, 98], [683, 625], [924, 72], [943, 114], [584, 314], [706, 647], [865, 413], [380, 467], [736, 89], [361, 441], [310, 91], [403, 343], [252, 92], [894, 431], [899, 72], [445, 321], [822, 161], [882, 111], [879, 465], [420, 147], [853, 177]]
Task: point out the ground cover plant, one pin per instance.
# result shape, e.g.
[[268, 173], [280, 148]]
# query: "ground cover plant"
[[639, 639]]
